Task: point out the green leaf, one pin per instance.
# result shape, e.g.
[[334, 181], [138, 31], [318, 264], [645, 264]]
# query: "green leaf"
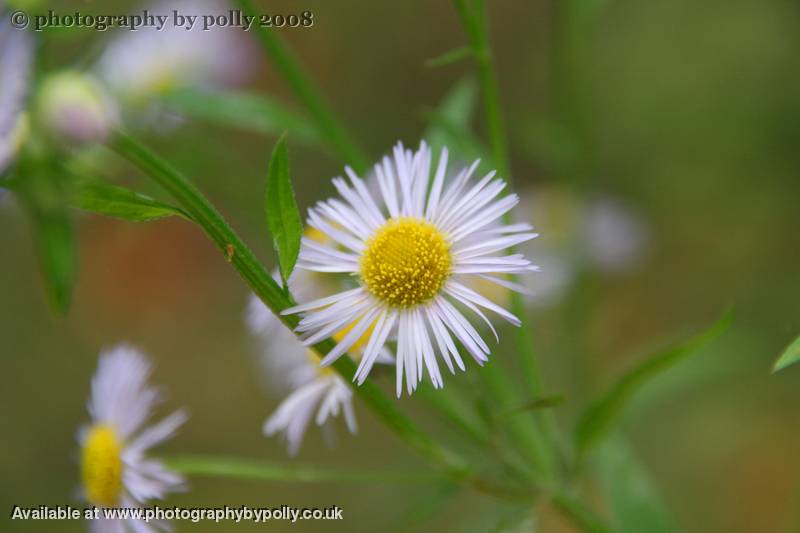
[[252, 112], [603, 413], [448, 58], [634, 502], [119, 202], [56, 247], [790, 356], [283, 218]]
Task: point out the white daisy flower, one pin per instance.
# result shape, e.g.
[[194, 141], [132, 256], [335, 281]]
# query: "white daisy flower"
[[16, 60], [294, 370], [114, 469], [412, 251]]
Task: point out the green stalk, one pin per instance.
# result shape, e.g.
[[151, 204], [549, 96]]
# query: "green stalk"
[[475, 22], [529, 436], [238, 468], [258, 278], [307, 93]]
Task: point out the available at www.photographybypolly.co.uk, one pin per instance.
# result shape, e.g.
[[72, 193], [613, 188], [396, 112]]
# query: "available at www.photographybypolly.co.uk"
[[423, 266]]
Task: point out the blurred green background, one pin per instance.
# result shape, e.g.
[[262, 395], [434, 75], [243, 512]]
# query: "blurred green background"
[[686, 112]]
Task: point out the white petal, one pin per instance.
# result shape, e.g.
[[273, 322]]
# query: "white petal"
[[352, 336], [120, 394], [438, 182], [322, 302], [475, 297], [375, 345], [158, 433], [475, 310], [486, 216], [376, 217], [492, 245], [316, 221]]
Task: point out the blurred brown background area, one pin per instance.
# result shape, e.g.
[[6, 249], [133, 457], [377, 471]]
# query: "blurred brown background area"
[[693, 111]]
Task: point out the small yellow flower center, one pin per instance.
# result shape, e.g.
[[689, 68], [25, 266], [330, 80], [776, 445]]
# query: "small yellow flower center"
[[101, 466], [406, 262]]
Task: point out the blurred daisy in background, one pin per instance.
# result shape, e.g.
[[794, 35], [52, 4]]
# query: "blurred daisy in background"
[[599, 234], [16, 61], [141, 66], [411, 251], [613, 236], [114, 469], [293, 369]]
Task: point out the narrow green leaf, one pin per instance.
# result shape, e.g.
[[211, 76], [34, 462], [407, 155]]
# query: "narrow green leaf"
[[448, 58], [790, 356], [240, 468], [603, 413], [632, 498], [283, 218], [56, 247], [544, 402], [119, 202], [251, 112]]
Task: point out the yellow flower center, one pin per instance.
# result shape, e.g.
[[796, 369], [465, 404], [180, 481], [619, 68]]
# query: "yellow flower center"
[[101, 466], [406, 262]]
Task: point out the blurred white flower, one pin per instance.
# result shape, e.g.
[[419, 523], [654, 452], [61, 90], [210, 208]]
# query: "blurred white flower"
[[613, 236], [293, 370], [141, 65], [75, 108], [16, 60], [599, 234], [114, 469]]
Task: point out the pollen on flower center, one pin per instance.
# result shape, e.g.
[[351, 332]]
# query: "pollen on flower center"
[[406, 262], [101, 466]]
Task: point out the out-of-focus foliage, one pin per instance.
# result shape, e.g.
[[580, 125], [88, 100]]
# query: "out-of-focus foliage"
[[790, 355], [685, 111]]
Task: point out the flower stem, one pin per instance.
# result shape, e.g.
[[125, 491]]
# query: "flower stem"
[[305, 90], [236, 467], [475, 21]]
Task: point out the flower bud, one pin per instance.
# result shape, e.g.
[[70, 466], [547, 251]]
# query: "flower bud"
[[75, 108]]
